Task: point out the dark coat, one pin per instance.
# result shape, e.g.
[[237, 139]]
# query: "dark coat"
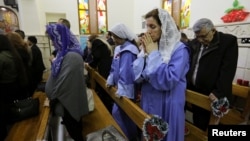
[[217, 66], [37, 68], [102, 58], [37, 63]]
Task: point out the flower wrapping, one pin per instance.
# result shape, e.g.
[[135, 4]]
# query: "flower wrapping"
[[154, 128], [220, 107]]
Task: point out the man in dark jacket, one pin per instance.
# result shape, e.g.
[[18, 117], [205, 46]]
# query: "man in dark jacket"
[[213, 66], [37, 65]]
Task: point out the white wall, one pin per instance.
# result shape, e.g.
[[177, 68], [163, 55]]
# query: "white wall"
[[141, 8], [121, 11], [32, 13], [67, 7], [213, 9]]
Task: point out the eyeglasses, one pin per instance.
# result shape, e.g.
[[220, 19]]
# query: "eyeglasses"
[[203, 36]]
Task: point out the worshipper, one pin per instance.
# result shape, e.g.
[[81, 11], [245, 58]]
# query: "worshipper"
[[101, 52], [213, 65], [12, 80], [37, 65], [121, 75], [66, 86], [161, 69]]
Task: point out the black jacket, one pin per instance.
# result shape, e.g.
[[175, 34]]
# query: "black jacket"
[[217, 66], [102, 58]]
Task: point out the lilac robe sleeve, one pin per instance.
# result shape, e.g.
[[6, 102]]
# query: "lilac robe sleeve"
[[110, 79], [138, 66], [125, 86], [160, 75]]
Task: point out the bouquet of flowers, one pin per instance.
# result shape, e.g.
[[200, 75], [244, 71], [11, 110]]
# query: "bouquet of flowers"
[[154, 128], [220, 107]]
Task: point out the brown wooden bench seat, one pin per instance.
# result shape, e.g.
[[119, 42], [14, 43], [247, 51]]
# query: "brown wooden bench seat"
[[235, 116], [98, 118], [32, 129]]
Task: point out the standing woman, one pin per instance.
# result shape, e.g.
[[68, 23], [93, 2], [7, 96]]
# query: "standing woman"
[[25, 53], [121, 75], [102, 54], [66, 86], [12, 79], [162, 72]]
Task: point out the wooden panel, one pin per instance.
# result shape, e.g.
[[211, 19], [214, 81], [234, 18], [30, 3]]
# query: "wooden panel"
[[235, 116], [198, 99], [99, 118], [137, 114], [241, 91], [195, 133]]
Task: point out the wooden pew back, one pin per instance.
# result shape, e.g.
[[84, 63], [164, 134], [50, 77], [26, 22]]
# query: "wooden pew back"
[[131, 109], [204, 102], [235, 116], [98, 118]]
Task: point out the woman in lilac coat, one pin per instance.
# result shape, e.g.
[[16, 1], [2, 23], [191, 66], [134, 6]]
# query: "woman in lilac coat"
[[122, 76], [161, 69]]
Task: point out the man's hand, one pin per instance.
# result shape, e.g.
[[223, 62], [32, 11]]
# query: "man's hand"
[[212, 97]]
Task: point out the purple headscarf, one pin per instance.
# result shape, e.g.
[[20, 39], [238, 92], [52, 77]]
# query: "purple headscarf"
[[63, 41]]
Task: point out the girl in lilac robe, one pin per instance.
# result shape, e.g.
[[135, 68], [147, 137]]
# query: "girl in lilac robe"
[[161, 69], [122, 76]]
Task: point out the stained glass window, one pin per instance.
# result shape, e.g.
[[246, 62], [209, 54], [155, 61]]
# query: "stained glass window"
[[167, 5], [101, 9], [92, 16]]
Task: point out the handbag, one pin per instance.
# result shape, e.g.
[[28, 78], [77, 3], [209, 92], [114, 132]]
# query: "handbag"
[[109, 133], [23, 109]]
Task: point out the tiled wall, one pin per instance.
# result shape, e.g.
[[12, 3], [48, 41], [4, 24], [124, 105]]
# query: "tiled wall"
[[241, 30]]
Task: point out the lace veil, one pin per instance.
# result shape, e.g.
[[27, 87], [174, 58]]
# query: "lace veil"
[[170, 35]]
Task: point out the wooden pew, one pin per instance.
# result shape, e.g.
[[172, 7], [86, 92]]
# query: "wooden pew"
[[130, 108], [32, 129], [236, 116], [204, 102], [138, 115], [98, 118]]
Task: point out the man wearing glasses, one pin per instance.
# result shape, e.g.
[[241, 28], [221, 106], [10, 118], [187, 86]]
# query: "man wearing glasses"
[[213, 65]]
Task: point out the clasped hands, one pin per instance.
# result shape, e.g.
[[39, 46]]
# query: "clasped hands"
[[148, 44], [220, 107]]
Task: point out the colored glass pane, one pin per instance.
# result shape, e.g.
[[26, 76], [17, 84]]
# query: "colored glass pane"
[[101, 4], [84, 21], [83, 4], [102, 27]]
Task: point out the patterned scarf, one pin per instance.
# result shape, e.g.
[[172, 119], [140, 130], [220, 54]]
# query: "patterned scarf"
[[63, 41]]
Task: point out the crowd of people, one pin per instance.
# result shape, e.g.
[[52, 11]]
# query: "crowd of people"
[[162, 63]]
